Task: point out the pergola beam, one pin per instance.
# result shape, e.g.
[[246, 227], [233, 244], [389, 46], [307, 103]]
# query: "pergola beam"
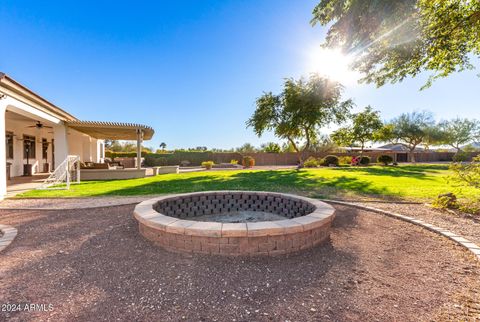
[[112, 130]]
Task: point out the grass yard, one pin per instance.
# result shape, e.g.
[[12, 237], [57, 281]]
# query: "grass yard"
[[423, 181]]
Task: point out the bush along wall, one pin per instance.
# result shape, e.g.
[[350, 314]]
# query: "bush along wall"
[[111, 154], [193, 158]]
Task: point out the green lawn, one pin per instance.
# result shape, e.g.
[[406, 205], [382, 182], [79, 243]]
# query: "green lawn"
[[402, 182]]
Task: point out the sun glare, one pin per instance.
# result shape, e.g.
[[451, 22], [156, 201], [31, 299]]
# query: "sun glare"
[[332, 63]]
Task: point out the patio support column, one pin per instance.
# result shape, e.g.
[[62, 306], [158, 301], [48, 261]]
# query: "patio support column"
[[139, 148], [3, 150], [60, 134]]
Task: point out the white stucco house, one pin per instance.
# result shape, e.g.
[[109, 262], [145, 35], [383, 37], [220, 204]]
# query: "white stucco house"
[[38, 135]]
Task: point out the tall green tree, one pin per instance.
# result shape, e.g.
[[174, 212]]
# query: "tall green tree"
[[410, 130], [393, 39], [300, 110], [246, 148], [364, 128], [271, 147], [459, 132]]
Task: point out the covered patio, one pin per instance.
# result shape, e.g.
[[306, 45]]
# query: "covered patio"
[[113, 131], [39, 138]]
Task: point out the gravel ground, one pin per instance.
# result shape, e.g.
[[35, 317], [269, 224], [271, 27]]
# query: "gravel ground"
[[93, 265], [461, 224]]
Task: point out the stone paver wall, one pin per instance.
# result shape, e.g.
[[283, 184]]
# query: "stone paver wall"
[[307, 223], [219, 202]]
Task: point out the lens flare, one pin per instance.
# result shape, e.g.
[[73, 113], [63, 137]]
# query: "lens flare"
[[334, 64]]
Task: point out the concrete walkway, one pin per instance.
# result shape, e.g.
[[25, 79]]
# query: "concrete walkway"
[[19, 185]]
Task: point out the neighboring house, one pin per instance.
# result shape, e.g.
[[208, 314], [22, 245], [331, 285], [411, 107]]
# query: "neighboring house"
[[400, 148], [357, 149], [474, 145], [38, 135]]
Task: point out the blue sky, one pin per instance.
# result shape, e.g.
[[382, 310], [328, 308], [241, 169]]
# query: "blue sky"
[[190, 69]]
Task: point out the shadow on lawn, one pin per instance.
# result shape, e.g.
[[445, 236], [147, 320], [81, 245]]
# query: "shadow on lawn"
[[411, 171], [281, 181]]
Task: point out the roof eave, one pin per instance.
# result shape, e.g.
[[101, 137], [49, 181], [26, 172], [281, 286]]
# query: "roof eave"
[[16, 90]]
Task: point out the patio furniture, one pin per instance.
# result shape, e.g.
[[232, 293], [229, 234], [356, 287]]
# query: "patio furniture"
[[28, 170], [9, 176], [115, 165], [93, 166]]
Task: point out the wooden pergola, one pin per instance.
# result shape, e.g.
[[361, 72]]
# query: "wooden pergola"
[[115, 131]]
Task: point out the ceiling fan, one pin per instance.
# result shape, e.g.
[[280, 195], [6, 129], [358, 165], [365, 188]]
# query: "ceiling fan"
[[39, 125]]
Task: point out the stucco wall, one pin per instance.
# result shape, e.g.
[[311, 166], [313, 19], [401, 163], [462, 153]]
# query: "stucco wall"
[[20, 128]]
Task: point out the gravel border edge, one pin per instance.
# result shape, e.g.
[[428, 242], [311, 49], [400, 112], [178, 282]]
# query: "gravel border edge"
[[470, 246], [9, 234]]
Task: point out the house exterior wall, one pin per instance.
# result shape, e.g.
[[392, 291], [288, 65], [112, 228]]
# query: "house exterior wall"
[[16, 117], [19, 129]]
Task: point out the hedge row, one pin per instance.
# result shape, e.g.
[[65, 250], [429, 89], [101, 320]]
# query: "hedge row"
[[192, 158], [111, 154]]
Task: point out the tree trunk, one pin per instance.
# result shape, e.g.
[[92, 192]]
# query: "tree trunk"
[[412, 155], [299, 153]]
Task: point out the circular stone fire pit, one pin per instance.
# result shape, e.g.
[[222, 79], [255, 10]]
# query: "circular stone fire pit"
[[235, 222]]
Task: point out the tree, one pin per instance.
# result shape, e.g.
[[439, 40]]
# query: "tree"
[[468, 174], [364, 128], [393, 39], [300, 110], [410, 130], [271, 147], [163, 146], [246, 148], [117, 146], [109, 143], [458, 132], [288, 147], [323, 144]]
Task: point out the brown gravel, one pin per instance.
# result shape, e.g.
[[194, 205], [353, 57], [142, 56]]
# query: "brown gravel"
[[464, 225], [71, 203], [91, 264]]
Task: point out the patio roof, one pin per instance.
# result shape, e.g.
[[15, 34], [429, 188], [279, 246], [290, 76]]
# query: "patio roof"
[[111, 130]]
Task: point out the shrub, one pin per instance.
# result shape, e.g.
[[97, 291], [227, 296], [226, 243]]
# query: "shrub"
[[233, 161], [460, 157], [207, 164], [355, 161], [385, 159], [467, 174], [112, 155], [470, 207], [248, 161], [445, 201], [346, 159], [311, 162], [153, 161], [364, 160], [329, 160]]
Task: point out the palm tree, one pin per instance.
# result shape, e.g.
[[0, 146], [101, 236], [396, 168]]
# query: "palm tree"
[[163, 146]]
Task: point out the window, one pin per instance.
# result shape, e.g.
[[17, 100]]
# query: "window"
[[9, 145], [29, 147], [44, 149]]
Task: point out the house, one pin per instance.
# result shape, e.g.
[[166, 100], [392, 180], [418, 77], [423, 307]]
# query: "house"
[[400, 148], [38, 135]]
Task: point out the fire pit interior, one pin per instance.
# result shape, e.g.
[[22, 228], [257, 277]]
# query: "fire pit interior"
[[235, 222], [231, 207]]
